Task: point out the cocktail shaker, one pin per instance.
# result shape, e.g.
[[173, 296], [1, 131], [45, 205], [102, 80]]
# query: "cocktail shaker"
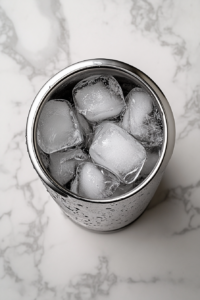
[[114, 213]]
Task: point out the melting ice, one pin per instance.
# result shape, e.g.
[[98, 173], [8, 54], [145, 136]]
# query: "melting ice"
[[142, 119], [99, 98], [58, 127], [121, 155], [94, 181], [63, 164], [118, 151], [86, 129]]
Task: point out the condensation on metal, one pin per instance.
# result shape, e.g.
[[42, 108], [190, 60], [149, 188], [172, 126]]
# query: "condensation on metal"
[[107, 216]]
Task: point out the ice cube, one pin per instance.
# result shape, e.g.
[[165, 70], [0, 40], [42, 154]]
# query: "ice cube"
[[142, 118], [63, 164], [98, 98], [117, 151], [94, 182], [58, 128], [86, 129]]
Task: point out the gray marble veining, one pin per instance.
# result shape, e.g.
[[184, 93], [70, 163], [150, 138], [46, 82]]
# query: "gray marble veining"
[[43, 255]]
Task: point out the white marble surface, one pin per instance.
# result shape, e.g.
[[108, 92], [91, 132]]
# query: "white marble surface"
[[43, 255]]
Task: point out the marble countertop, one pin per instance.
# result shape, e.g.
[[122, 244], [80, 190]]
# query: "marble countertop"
[[44, 255]]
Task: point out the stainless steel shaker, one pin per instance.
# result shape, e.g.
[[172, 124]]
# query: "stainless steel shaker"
[[107, 214]]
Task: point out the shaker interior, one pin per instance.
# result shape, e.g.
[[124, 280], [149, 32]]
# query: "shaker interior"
[[63, 90]]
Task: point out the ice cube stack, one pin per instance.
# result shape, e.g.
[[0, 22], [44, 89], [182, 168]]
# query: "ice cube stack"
[[101, 145]]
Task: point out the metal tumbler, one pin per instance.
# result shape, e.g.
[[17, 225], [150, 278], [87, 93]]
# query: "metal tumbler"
[[114, 213]]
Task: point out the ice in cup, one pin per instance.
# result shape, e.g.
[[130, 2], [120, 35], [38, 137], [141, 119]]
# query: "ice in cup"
[[106, 108], [103, 141]]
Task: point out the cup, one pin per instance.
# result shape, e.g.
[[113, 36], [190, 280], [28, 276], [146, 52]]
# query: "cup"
[[108, 214]]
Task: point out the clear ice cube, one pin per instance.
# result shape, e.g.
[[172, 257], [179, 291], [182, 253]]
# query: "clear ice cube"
[[94, 182], [86, 129], [58, 128], [142, 118], [117, 151], [98, 98], [63, 164]]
